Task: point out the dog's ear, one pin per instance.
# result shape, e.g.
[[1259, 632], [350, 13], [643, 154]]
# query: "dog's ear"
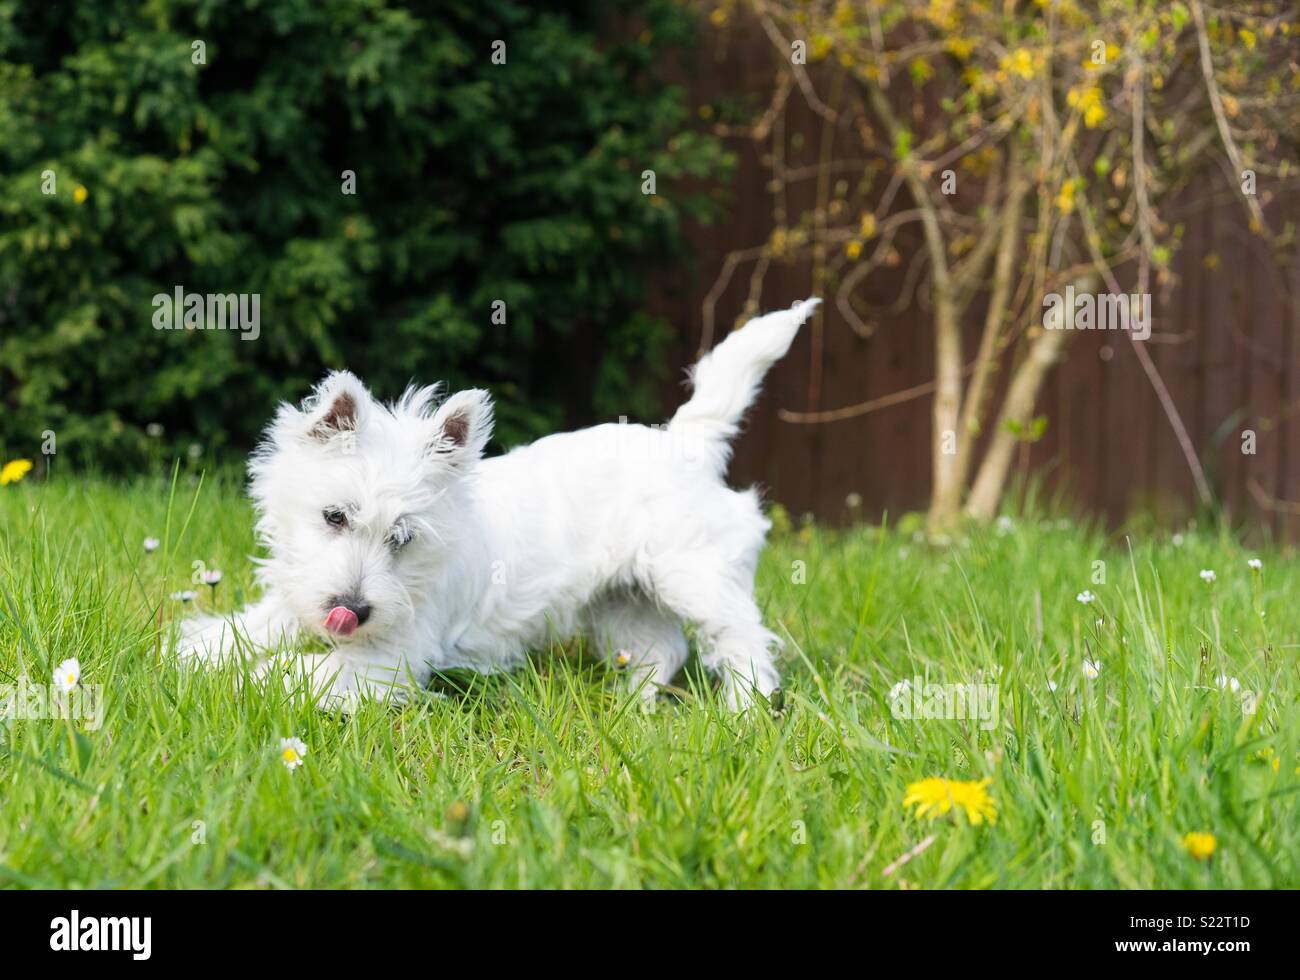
[[462, 426], [340, 404]]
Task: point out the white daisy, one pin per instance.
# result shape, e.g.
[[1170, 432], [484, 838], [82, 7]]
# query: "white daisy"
[[1208, 576], [1255, 565], [151, 544], [67, 674], [292, 751], [1226, 683], [1005, 525], [1091, 669], [211, 576], [1085, 597], [186, 595], [1177, 540]]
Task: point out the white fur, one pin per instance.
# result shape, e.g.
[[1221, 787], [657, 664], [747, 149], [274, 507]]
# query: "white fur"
[[622, 532]]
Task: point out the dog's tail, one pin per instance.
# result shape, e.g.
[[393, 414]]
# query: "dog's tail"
[[726, 380]]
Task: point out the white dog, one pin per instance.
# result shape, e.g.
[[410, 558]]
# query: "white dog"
[[392, 537]]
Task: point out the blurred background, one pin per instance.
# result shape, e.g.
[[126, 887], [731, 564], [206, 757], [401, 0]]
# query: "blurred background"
[[568, 202]]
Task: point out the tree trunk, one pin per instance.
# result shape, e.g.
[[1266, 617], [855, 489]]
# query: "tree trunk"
[[986, 361], [945, 497], [1018, 406]]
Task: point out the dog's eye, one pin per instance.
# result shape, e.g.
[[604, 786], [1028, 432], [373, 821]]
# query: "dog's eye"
[[399, 536], [335, 517]]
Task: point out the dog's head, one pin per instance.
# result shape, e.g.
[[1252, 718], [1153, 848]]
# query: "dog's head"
[[359, 502]]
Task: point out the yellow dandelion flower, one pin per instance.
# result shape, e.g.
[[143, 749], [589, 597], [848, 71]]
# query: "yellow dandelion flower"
[[14, 470], [1247, 38], [1199, 844], [853, 249], [936, 796], [718, 17], [80, 194]]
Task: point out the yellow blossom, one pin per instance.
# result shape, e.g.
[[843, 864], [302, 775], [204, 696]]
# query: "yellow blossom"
[[1087, 101], [1112, 52], [1247, 38], [942, 14], [718, 17], [1019, 62], [868, 228], [1199, 844], [853, 249], [1065, 199], [936, 796], [14, 470], [80, 194], [959, 47]]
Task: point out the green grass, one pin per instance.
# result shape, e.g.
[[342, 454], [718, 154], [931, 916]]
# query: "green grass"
[[552, 777]]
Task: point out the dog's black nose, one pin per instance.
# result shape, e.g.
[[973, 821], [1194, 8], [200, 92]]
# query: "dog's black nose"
[[358, 607]]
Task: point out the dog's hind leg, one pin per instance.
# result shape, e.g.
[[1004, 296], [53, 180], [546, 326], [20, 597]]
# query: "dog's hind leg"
[[716, 595], [638, 635]]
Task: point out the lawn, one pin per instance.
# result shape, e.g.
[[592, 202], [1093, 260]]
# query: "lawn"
[[554, 777]]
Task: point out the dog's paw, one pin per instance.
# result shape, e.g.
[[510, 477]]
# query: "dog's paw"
[[740, 694], [202, 640]]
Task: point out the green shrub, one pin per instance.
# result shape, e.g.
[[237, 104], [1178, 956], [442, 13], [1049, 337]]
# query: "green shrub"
[[475, 183]]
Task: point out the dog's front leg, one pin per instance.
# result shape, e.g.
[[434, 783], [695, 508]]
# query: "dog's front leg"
[[345, 677], [249, 632]]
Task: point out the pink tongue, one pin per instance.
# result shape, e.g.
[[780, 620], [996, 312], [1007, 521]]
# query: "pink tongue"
[[341, 620]]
